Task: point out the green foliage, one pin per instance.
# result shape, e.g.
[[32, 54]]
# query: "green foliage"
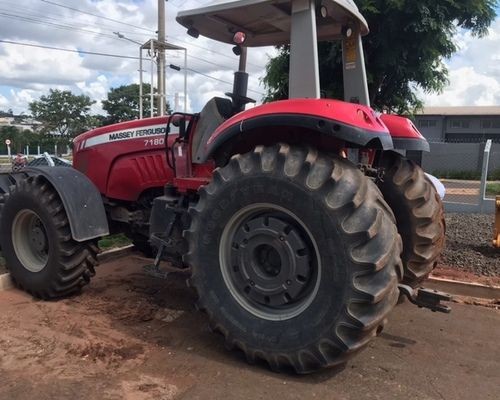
[[123, 103], [405, 49], [113, 241], [463, 175], [19, 138], [493, 189], [62, 113], [466, 175], [22, 138]]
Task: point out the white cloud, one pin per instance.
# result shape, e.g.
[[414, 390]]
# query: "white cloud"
[[37, 70], [27, 73], [96, 90], [474, 73], [20, 99], [467, 87], [4, 103], [24, 67]]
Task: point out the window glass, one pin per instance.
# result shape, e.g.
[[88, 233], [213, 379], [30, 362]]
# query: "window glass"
[[427, 123], [460, 123], [490, 123]]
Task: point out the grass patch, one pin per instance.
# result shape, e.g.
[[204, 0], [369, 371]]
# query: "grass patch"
[[114, 241], [466, 175], [493, 189]]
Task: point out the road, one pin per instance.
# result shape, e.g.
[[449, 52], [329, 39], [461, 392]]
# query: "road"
[[129, 336]]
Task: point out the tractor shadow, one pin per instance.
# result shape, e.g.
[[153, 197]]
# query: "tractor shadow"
[[161, 313]]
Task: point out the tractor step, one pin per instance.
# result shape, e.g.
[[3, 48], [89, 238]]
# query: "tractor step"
[[426, 298], [155, 271]]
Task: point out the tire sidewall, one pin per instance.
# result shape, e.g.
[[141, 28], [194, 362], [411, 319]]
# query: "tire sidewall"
[[408, 220], [18, 201], [311, 209]]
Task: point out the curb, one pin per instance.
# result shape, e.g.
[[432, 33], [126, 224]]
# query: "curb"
[[459, 288], [108, 255], [113, 254]]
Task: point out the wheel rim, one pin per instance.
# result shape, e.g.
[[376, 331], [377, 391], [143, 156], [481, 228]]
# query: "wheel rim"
[[30, 242], [269, 261]]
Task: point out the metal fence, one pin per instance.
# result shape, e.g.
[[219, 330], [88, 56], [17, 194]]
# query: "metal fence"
[[470, 173]]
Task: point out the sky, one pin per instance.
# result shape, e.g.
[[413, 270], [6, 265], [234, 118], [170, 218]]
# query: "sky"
[[26, 73]]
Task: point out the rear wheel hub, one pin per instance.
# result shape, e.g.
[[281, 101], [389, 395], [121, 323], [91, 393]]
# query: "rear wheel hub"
[[29, 239], [268, 261]]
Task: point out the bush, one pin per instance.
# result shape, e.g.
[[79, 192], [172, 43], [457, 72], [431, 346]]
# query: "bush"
[[113, 241]]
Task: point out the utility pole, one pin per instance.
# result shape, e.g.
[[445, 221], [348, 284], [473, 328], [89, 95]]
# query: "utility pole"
[[161, 58]]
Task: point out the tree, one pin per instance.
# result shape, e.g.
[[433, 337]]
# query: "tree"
[[62, 113], [19, 138], [405, 49], [123, 103]]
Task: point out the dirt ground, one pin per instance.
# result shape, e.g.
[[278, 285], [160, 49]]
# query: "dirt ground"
[[129, 336], [456, 274]]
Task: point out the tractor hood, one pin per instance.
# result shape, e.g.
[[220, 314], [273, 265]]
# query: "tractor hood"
[[268, 22]]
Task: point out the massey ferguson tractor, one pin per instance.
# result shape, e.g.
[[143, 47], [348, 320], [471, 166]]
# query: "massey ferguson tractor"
[[299, 223]]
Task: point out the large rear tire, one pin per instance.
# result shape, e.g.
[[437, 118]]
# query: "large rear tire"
[[36, 241], [295, 257], [419, 215]]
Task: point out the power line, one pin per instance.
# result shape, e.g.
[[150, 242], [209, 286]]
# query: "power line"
[[112, 55], [97, 16], [59, 18], [149, 30], [68, 50], [213, 51], [54, 25], [132, 25]]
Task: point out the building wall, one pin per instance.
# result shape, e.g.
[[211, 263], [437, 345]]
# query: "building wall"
[[431, 127], [464, 128]]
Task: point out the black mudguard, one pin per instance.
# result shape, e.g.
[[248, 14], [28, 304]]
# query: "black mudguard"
[[82, 201], [413, 144]]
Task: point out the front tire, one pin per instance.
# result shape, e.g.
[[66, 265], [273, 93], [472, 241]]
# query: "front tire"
[[419, 215], [295, 257], [36, 242]]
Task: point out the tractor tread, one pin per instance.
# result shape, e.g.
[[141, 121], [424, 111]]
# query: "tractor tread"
[[374, 251], [420, 215], [71, 262]]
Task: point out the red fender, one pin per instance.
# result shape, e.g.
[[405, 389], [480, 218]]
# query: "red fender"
[[405, 134], [341, 121]]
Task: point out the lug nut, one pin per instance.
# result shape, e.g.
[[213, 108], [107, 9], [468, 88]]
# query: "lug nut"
[[288, 282], [252, 283], [282, 238]]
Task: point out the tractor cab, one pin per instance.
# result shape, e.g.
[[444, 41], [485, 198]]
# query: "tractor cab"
[[300, 24]]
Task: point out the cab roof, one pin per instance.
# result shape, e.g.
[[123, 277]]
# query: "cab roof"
[[268, 22]]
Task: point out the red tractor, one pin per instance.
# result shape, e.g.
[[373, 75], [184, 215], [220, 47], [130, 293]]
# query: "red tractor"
[[300, 224]]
